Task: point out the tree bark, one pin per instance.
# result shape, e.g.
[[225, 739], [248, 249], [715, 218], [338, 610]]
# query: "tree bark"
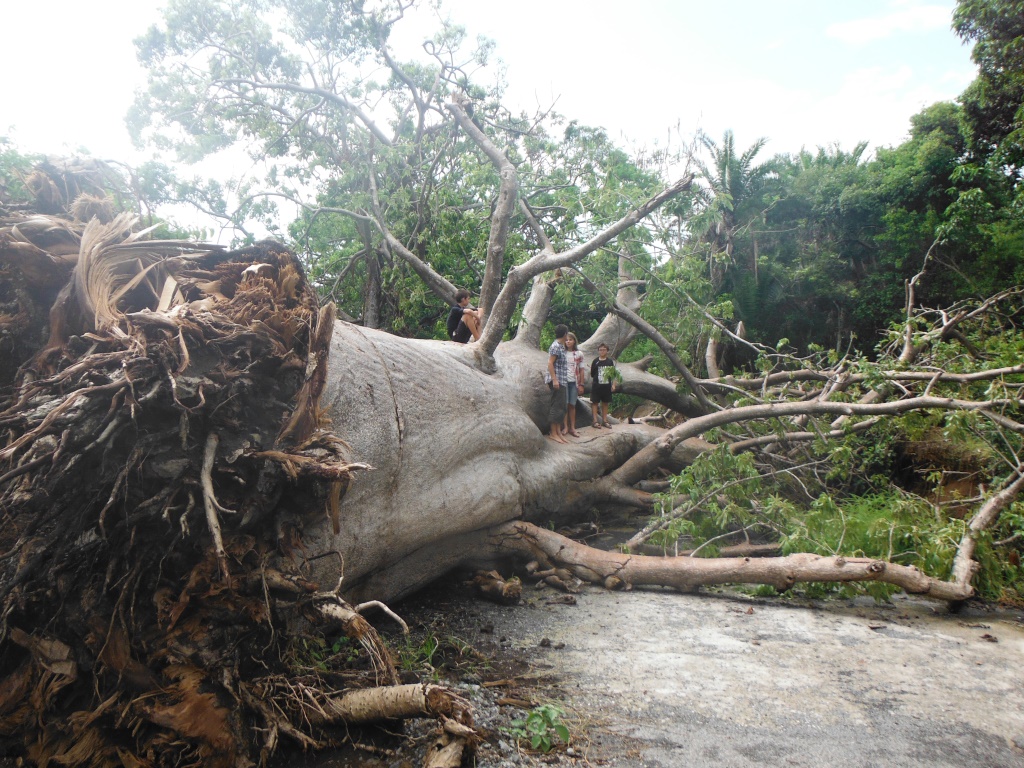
[[546, 261], [686, 574], [455, 450], [964, 566], [663, 344], [372, 292], [503, 208], [613, 330], [535, 311]]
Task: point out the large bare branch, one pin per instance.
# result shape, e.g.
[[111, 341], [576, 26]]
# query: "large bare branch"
[[434, 280], [964, 566], [656, 336], [615, 570], [503, 207], [796, 437], [651, 457], [648, 386], [519, 277], [372, 292], [910, 349], [535, 311], [538, 230], [543, 262], [613, 330], [787, 377]]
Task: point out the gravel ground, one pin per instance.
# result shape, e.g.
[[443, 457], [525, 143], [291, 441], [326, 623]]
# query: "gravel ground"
[[655, 678]]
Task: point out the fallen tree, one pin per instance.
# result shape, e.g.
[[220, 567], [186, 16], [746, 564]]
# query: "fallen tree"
[[199, 463], [200, 468]]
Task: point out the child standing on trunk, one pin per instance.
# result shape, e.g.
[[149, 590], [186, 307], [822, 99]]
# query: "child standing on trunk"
[[603, 373], [556, 376], [574, 361]]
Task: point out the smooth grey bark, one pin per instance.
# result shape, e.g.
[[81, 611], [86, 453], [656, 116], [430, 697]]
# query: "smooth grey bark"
[[504, 205], [372, 292], [667, 348], [455, 451], [535, 311], [547, 261], [613, 330], [636, 381]]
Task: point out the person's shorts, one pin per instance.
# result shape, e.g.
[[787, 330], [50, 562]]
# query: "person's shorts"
[[462, 334], [571, 393], [556, 411], [602, 393]]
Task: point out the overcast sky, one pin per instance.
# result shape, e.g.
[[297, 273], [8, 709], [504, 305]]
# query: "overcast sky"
[[799, 72]]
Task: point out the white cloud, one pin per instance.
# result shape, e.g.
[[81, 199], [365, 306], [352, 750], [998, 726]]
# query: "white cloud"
[[958, 79], [918, 18], [873, 104]]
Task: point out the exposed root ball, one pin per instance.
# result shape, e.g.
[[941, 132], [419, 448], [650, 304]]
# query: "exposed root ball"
[[161, 450]]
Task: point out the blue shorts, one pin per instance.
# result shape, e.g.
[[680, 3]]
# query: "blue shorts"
[[571, 393]]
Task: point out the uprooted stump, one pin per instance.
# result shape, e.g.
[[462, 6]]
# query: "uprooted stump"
[[162, 448]]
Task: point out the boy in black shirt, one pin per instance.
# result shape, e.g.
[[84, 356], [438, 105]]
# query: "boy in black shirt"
[[463, 320]]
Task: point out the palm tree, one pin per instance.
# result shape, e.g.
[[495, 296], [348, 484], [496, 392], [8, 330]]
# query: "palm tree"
[[731, 197]]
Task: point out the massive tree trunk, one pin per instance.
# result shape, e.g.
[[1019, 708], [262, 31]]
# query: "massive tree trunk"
[[171, 490], [456, 444]]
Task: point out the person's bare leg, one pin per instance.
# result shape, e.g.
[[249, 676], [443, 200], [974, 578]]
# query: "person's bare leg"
[[596, 422], [570, 416], [556, 433], [473, 324], [604, 415]]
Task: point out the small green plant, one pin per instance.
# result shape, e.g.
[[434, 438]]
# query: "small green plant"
[[542, 728], [345, 648], [415, 657], [316, 653]]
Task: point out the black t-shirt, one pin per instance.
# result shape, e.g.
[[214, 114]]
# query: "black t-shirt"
[[598, 375], [454, 317], [458, 330]]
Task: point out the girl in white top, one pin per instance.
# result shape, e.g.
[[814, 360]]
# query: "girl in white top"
[[574, 361]]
